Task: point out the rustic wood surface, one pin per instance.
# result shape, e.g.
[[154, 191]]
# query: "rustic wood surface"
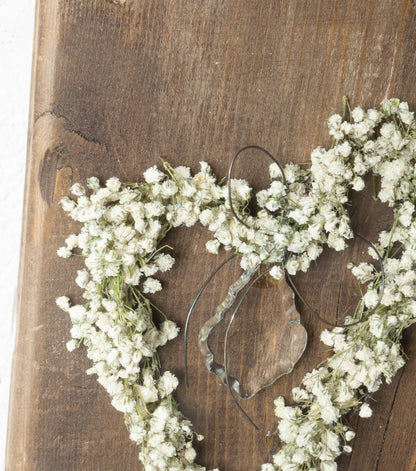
[[118, 84]]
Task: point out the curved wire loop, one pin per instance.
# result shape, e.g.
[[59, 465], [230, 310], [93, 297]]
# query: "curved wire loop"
[[188, 317], [233, 383], [381, 290], [247, 281], [212, 366], [243, 281], [230, 170]]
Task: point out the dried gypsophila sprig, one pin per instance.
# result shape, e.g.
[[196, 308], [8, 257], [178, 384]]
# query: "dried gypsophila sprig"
[[123, 226]]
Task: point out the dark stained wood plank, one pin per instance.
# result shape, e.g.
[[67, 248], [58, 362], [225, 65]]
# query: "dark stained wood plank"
[[117, 84]]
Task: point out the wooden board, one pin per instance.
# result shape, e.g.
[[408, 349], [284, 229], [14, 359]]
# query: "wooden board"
[[118, 84]]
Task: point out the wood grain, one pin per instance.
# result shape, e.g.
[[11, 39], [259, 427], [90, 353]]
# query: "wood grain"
[[117, 84]]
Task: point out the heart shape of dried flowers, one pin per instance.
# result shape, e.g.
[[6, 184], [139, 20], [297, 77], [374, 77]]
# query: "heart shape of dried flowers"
[[122, 229]]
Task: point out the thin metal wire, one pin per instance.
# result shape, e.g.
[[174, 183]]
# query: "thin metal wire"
[[227, 377], [381, 291], [230, 170], [252, 282], [188, 317]]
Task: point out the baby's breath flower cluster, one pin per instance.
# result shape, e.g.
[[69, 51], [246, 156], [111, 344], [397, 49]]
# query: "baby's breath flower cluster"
[[123, 226]]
